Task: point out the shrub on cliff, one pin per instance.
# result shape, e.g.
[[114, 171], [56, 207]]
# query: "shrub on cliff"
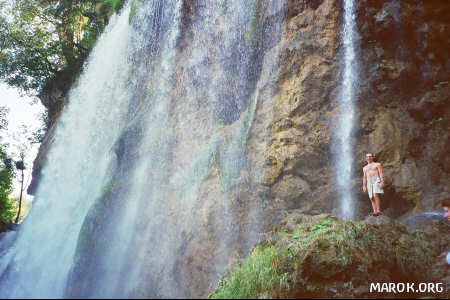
[[323, 257]]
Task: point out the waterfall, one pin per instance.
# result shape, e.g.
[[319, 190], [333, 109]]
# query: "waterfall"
[[142, 193], [77, 168], [344, 157]]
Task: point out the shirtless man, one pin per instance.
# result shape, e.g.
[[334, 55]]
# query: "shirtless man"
[[373, 182], [446, 206]]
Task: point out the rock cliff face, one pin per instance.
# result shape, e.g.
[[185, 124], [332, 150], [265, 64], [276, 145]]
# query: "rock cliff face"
[[291, 136], [402, 117], [402, 106], [404, 98]]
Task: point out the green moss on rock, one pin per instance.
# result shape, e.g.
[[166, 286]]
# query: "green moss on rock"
[[254, 22], [323, 256], [132, 11]]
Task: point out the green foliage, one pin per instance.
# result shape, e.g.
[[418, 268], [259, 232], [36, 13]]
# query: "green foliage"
[[42, 40], [26, 205], [434, 120], [321, 225], [257, 277], [7, 211], [7, 208], [22, 46], [441, 84], [38, 135], [109, 7]]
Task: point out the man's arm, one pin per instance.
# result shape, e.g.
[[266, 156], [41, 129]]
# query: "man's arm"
[[364, 180], [380, 173]]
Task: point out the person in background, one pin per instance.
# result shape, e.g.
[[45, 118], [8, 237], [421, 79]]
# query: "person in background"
[[446, 206], [373, 182]]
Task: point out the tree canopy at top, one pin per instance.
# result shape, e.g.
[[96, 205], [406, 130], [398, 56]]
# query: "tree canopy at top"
[[41, 40]]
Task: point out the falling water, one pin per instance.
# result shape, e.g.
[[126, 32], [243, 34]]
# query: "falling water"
[[343, 157], [78, 167], [77, 170], [143, 192]]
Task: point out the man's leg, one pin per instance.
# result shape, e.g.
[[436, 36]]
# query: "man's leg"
[[377, 203], [372, 201]]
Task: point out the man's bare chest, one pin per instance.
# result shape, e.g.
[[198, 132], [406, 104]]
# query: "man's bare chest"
[[371, 168]]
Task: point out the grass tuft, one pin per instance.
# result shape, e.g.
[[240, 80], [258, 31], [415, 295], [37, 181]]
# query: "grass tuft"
[[299, 259]]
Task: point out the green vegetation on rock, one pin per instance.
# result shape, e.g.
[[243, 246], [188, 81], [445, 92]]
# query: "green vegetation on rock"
[[325, 257], [133, 7], [257, 277], [254, 22]]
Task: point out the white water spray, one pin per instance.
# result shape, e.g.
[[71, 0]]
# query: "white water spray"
[[137, 197], [38, 264], [344, 157]]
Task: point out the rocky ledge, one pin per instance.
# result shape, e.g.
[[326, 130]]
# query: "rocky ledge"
[[325, 257]]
